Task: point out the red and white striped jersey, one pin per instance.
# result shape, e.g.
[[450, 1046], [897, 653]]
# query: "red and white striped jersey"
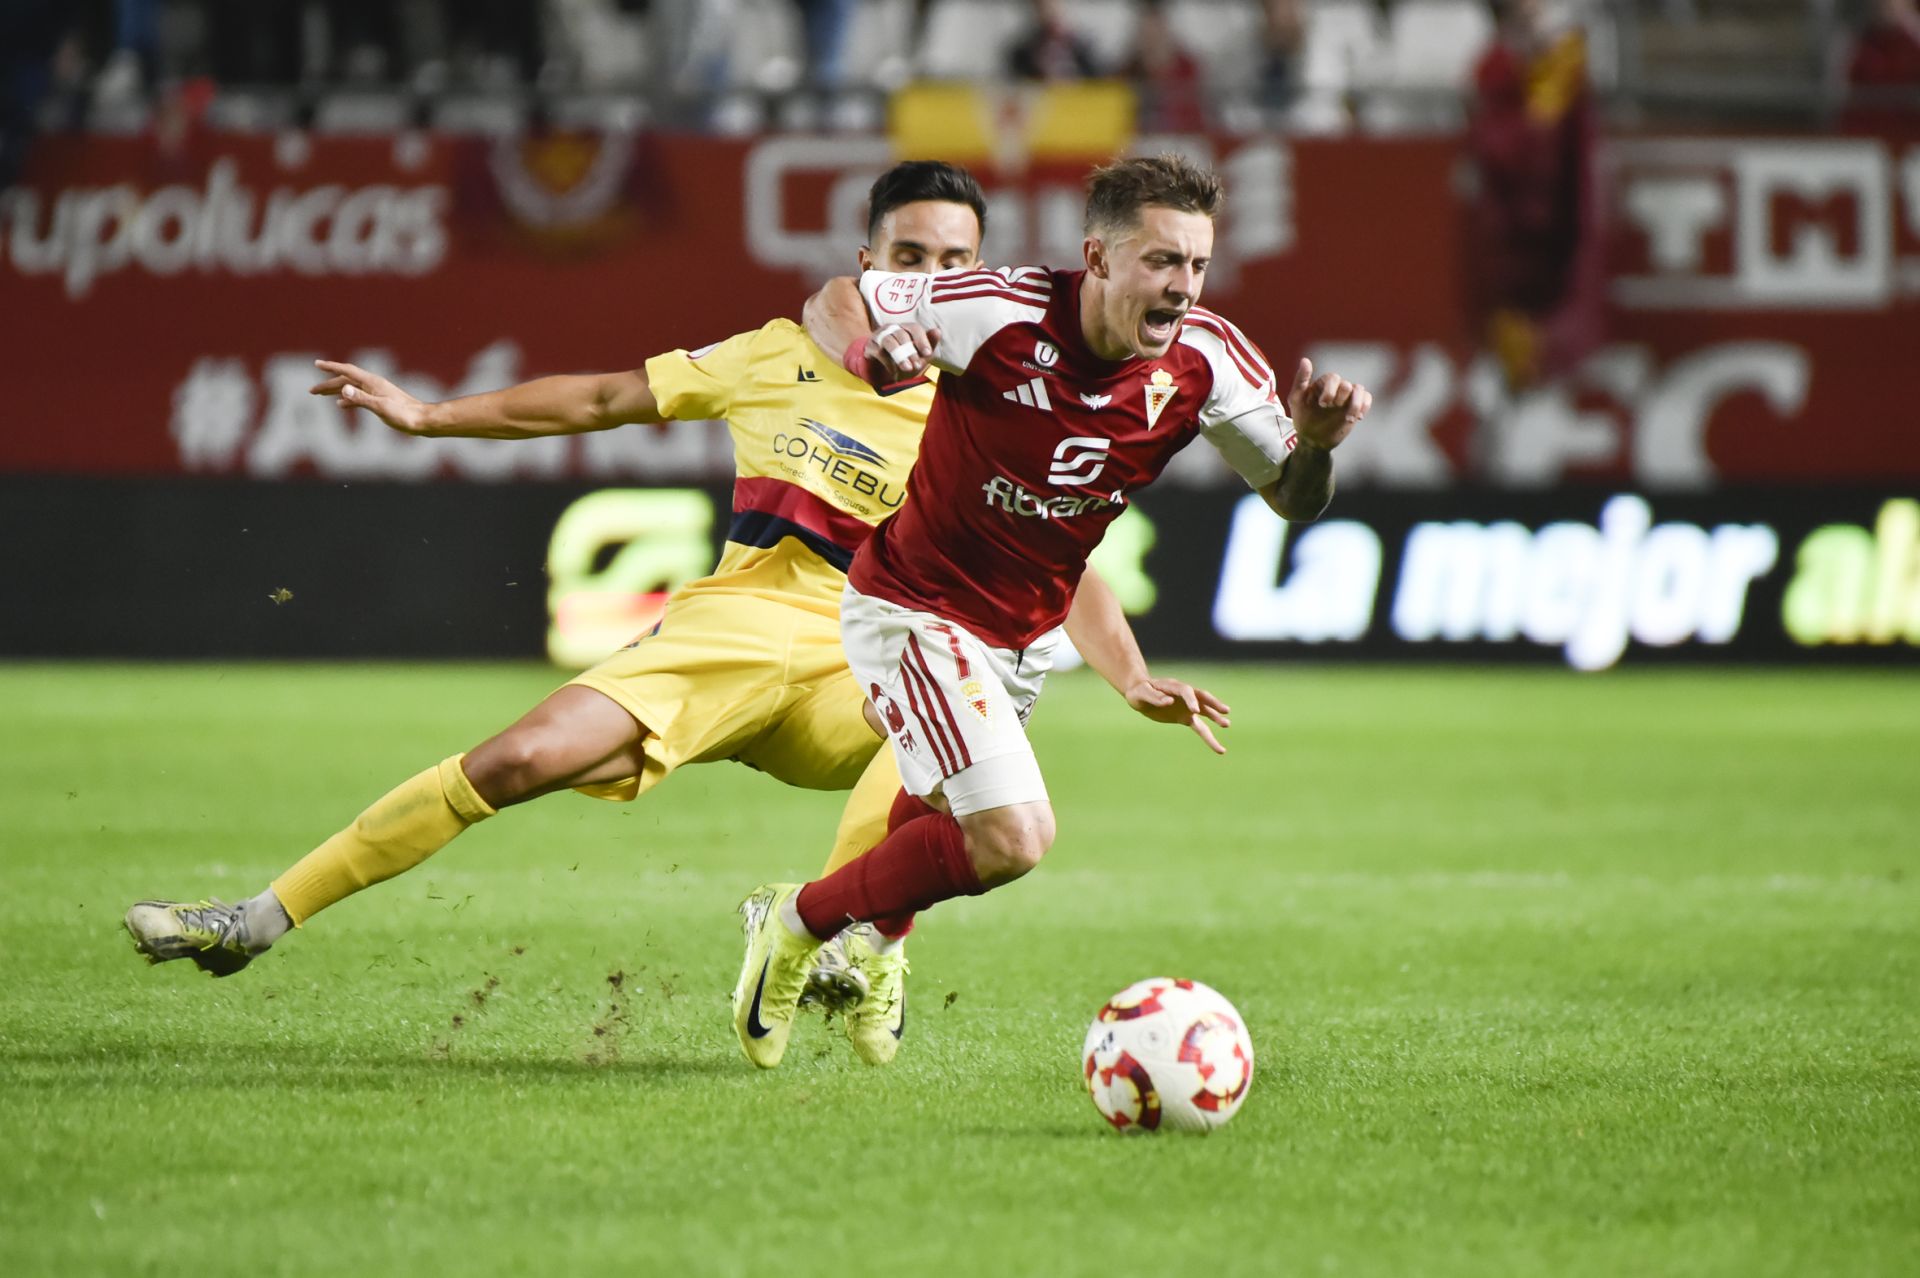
[[1037, 443]]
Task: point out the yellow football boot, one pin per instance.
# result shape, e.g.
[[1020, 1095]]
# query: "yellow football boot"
[[776, 972]]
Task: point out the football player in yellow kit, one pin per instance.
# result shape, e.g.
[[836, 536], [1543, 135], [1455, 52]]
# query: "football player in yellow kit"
[[745, 663]]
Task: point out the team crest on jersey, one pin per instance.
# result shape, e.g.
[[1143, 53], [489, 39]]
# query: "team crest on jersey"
[[1046, 354], [976, 698], [1159, 391]]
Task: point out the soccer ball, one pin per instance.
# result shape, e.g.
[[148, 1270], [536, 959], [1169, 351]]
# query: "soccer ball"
[[1167, 1053]]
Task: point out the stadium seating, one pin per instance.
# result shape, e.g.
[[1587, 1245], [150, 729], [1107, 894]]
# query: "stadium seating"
[[967, 39], [1390, 65]]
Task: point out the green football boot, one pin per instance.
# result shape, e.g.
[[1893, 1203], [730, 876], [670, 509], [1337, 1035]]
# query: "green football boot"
[[875, 1025], [773, 977], [211, 933]]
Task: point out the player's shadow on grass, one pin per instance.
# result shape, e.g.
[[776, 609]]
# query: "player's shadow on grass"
[[277, 1066]]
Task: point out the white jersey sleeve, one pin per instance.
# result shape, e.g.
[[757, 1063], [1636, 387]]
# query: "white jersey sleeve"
[[1243, 417], [967, 307]]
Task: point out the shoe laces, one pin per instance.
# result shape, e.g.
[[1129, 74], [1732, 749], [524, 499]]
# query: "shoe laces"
[[223, 926]]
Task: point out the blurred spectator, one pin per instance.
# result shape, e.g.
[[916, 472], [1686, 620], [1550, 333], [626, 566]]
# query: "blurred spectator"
[[133, 68], [1536, 251], [825, 24], [1283, 36], [694, 39], [1165, 75], [1883, 72], [254, 41], [1051, 50], [363, 40], [30, 31], [507, 38]]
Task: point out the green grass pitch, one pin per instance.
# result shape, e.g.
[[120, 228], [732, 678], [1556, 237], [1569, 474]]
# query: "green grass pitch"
[[1546, 974]]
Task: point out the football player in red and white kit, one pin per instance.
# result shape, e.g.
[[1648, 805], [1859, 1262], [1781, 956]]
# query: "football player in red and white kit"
[[1071, 390]]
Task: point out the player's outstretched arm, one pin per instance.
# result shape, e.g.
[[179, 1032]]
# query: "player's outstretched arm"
[[1098, 627], [1325, 411], [837, 320], [546, 406]]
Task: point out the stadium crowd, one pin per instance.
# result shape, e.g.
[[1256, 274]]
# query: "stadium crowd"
[[1317, 65]]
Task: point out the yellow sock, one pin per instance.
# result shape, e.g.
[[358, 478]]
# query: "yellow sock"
[[404, 827], [863, 823]]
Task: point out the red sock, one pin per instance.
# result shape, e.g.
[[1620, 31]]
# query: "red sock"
[[906, 807], [921, 863], [895, 926]]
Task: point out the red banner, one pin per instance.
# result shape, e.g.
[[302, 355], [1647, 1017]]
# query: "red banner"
[[165, 305]]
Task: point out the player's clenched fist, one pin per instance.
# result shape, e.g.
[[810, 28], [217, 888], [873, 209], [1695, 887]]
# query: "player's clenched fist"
[[1324, 409], [357, 388]]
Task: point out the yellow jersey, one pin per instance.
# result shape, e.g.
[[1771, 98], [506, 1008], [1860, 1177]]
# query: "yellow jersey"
[[820, 457]]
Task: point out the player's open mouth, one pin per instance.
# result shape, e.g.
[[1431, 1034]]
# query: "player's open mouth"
[[1159, 325]]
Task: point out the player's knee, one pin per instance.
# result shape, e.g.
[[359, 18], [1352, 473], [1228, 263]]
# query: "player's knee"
[[1010, 843], [511, 767]]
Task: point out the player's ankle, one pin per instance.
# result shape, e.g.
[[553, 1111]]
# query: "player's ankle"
[[890, 932], [796, 923], [266, 920]]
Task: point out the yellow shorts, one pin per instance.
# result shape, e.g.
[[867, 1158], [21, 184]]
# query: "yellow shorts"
[[732, 676]]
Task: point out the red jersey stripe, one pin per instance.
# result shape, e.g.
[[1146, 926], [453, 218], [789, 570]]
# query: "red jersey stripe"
[[1237, 346], [1029, 276], [1018, 299], [1236, 342], [989, 285], [1246, 344], [1250, 372], [791, 502], [951, 287]]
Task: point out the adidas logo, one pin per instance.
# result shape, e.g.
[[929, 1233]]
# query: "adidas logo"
[[1033, 394]]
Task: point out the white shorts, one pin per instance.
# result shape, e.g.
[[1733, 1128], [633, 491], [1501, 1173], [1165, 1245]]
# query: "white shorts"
[[955, 709]]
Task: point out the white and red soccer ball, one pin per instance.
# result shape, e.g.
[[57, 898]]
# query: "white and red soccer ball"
[[1164, 1053]]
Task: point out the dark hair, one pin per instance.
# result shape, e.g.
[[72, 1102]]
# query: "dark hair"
[[911, 181], [1117, 192]]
